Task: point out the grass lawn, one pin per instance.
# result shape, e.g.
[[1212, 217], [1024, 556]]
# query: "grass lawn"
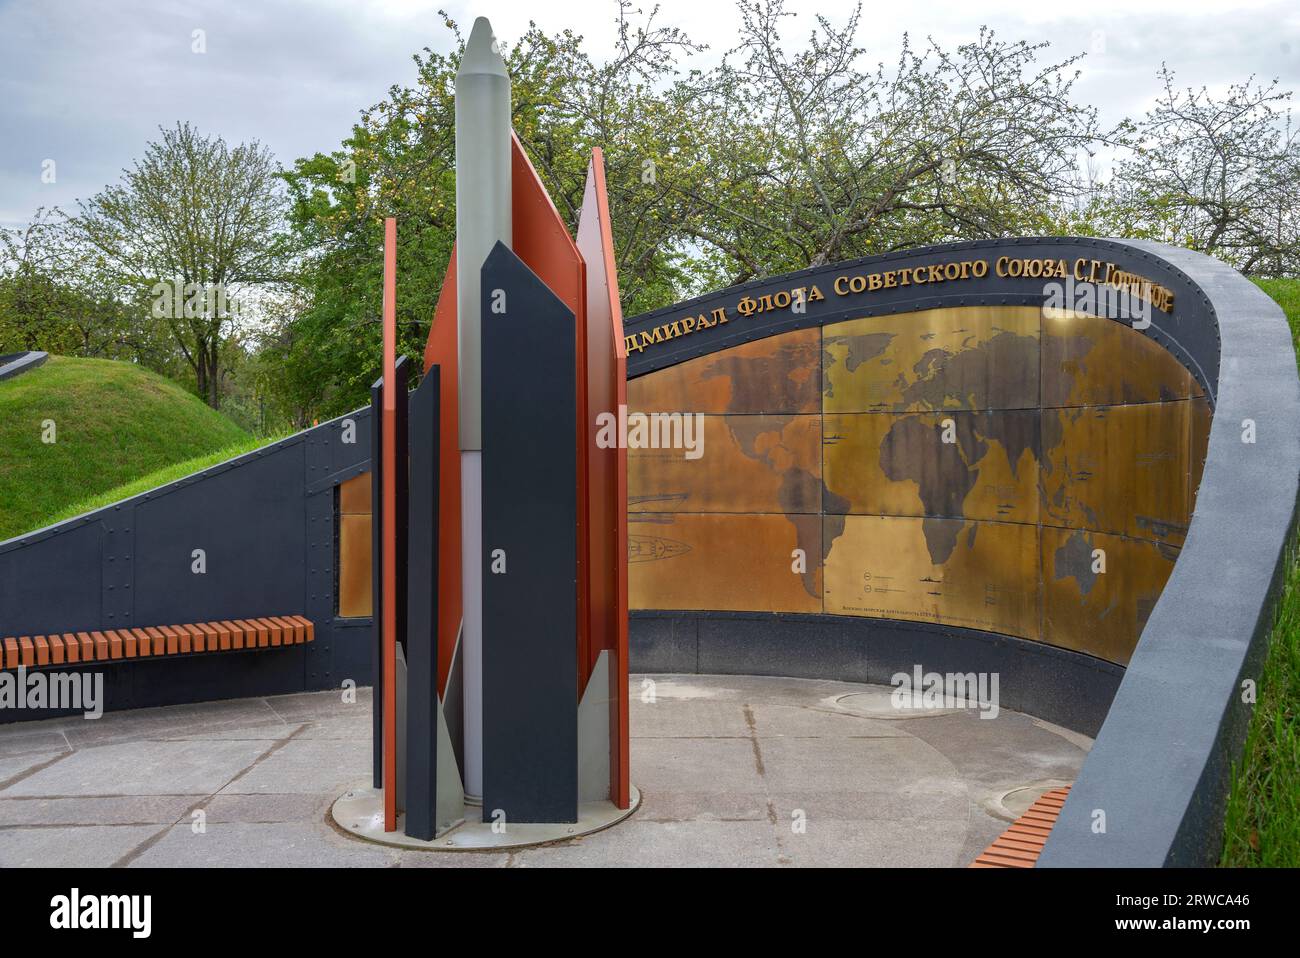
[[112, 424], [160, 477], [1262, 823]]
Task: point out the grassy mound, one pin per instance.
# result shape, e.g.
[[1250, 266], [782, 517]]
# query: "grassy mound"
[[111, 423]]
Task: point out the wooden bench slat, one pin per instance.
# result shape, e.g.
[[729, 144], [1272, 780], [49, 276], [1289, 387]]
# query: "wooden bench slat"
[[106, 645], [234, 632], [177, 638], [262, 632], [274, 634], [1023, 841], [288, 630], [250, 633], [206, 638]]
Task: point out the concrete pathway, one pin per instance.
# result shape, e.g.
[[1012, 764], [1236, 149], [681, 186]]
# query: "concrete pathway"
[[736, 771]]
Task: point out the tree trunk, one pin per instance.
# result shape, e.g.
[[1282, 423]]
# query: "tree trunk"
[[214, 377], [201, 375]]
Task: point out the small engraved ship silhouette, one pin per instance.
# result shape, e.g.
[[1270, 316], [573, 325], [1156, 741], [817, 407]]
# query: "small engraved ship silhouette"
[[650, 548]]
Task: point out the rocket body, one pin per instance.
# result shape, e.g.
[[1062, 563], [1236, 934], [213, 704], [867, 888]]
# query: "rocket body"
[[483, 214]]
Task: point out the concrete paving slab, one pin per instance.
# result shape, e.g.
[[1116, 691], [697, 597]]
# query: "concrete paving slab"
[[687, 718], [114, 810], [676, 763], [353, 729], [235, 732], [684, 805], [250, 845], [933, 800], [816, 721], [142, 768], [876, 844], [263, 808], [77, 847], [1011, 748], [878, 764], [172, 721], [22, 765], [663, 845], [319, 706], [306, 765], [412, 859], [27, 740]]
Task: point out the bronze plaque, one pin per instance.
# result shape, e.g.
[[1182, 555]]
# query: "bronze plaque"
[[1099, 590], [1118, 469], [909, 461], [746, 464], [977, 575], [725, 562], [969, 357], [354, 567], [974, 465], [354, 496], [780, 374], [1092, 361]]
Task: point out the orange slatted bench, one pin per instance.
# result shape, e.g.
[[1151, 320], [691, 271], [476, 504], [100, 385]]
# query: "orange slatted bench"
[[113, 645], [1021, 844]]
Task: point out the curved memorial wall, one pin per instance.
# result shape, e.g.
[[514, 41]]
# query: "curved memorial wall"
[[962, 459]]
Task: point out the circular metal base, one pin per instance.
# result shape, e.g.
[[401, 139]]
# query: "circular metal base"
[[360, 812], [878, 703]]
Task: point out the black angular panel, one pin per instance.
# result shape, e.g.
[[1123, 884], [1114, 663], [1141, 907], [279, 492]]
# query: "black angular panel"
[[530, 695], [422, 613]]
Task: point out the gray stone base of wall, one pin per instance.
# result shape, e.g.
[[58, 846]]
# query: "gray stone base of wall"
[[1063, 687]]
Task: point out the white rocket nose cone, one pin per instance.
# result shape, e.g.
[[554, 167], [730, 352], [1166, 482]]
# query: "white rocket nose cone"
[[481, 55]]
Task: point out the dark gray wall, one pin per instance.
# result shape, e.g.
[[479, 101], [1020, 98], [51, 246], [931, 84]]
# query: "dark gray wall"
[[1064, 687], [266, 523]]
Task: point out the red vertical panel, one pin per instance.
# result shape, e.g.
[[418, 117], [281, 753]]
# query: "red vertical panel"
[[389, 520], [441, 351], [607, 484], [542, 241]]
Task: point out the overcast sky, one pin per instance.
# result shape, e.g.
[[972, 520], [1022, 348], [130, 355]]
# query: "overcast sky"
[[86, 83]]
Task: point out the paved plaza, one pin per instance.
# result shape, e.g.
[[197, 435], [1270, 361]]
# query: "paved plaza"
[[733, 770]]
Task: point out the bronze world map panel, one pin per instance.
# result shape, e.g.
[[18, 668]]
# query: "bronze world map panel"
[[1014, 469]]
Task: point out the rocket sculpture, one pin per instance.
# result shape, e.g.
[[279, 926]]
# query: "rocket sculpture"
[[501, 531]]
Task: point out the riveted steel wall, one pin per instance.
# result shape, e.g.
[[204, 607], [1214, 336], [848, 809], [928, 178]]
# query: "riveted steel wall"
[[265, 523]]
